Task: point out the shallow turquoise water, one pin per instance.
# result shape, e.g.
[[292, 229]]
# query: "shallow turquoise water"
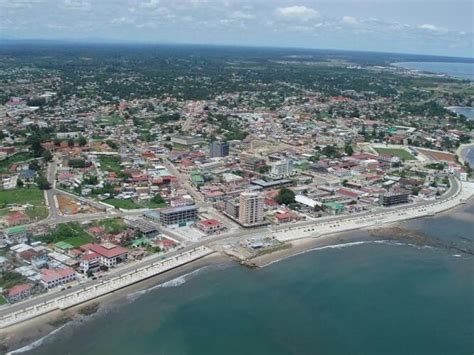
[[362, 299], [453, 69]]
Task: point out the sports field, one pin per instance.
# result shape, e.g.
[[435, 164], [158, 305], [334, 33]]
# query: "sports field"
[[398, 152]]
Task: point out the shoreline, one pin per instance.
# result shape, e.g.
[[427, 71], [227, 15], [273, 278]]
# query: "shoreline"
[[23, 334], [462, 151]]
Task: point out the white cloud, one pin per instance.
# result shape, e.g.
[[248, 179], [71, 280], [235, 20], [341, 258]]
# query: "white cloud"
[[239, 15], [77, 5], [55, 26], [301, 28], [349, 20], [197, 2], [297, 13], [150, 4], [149, 24], [427, 26], [433, 28], [122, 20], [18, 4]]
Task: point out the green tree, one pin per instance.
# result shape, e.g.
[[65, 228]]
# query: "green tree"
[[82, 140], [77, 163], [47, 156], [263, 169], [19, 183], [158, 199], [330, 151], [285, 196], [42, 183], [36, 147], [348, 149], [34, 165]]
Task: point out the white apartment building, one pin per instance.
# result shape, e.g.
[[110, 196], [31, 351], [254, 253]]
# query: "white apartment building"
[[251, 208], [281, 168]]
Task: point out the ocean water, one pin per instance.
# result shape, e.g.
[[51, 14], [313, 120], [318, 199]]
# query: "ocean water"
[[463, 110], [456, 70], [469, 157], [363, 298]]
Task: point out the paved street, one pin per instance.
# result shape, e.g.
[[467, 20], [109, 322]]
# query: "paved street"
[[55, 217]]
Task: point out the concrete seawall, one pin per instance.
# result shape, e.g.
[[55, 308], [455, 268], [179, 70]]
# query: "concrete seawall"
[[94, 291], [465, 191]]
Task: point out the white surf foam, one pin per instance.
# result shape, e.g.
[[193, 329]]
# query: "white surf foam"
[[36, 343], [333, 246], [176, 282], [351, 244]]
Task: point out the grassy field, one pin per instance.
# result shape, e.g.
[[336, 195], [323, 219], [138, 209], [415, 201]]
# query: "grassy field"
[[37, 213], [127, 204], [151, 204], [10, 279], [111, 120], [132, 205], [16, 158], [2, 300], [30, 195], [114, 225], [71, 233], [401, 153], [110, 163], [81, 240]]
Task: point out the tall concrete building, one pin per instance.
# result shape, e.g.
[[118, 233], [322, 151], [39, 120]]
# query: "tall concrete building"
[[281, 168], [251, 208], [218, 149]]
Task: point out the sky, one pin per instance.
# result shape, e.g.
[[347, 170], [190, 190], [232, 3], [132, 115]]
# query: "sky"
[[439, 27]]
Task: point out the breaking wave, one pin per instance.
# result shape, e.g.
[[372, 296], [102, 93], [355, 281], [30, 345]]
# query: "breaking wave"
[[176, 282], [350, 244], [36, 343]]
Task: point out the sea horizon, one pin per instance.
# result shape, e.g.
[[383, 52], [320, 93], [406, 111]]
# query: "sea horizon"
[[460, 70]]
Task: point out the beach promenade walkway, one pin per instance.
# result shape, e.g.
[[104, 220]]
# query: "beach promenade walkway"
[[460, 192], [91, 292]]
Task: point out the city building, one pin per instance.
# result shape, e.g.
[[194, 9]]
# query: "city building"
[[143, 226], [272, 184], [333, 208], [281, 168], [16, 218], [90, 261], [17, 234], [178, 216], [187, 140], [394, 197], [232, 208], [19, 293], [109, 254], [210, 226], [218, 149], [59, 277], [251, 208], [287, 216]]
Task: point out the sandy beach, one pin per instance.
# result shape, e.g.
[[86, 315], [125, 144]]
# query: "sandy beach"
[[25, 333], [304, 245], [463, 150]]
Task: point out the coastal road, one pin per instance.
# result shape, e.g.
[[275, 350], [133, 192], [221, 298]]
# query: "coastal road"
[[454, 190], [197, 196], [123, 269], [50, 193]]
